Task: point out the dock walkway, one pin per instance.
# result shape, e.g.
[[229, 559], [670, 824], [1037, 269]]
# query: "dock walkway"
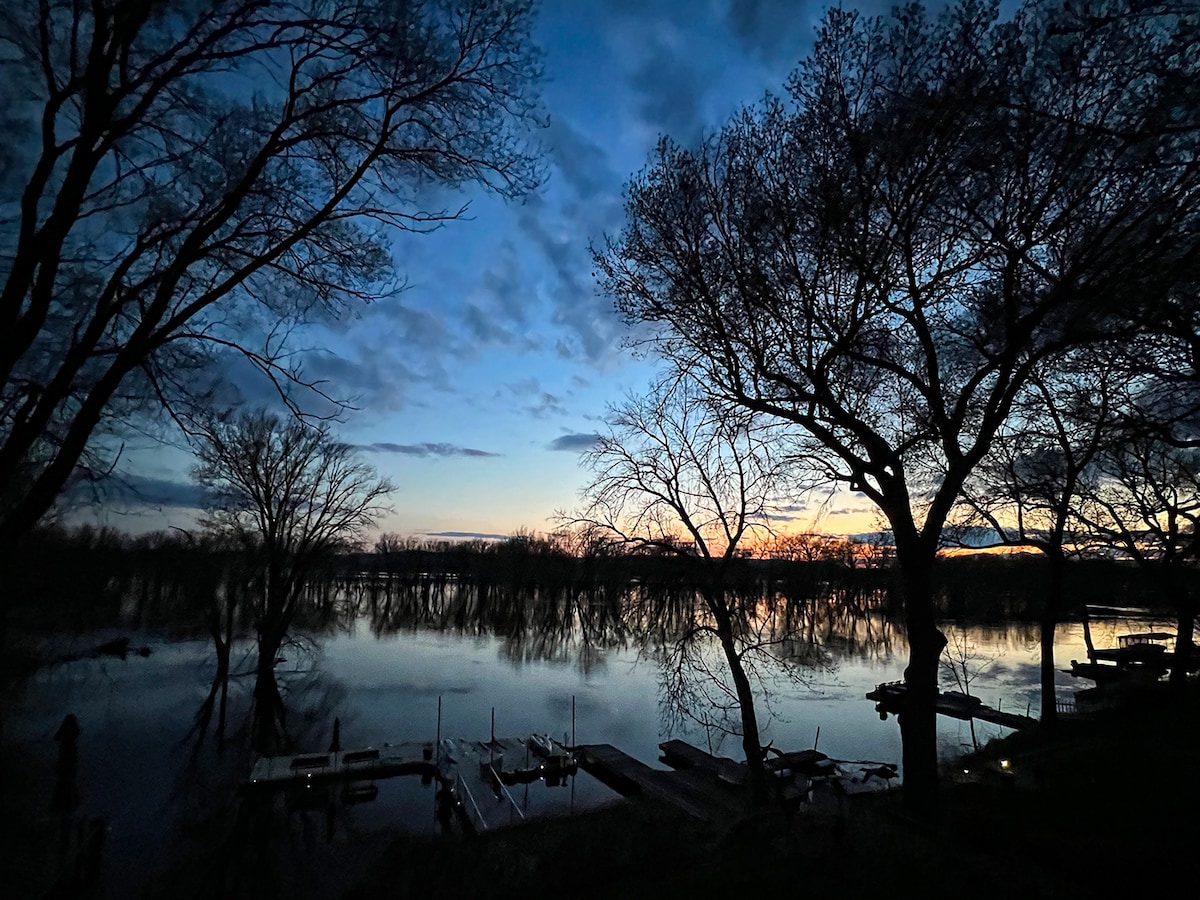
[[682, 755], [353, 765], [890, 698], [696, 792]]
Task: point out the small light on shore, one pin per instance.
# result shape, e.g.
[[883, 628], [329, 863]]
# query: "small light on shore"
[[1006, 763]]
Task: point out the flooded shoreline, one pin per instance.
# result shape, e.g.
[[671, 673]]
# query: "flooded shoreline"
[[159, 784]]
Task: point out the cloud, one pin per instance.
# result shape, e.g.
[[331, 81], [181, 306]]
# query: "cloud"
[[128, 490], [773, 29], [582, 162], [781, 517], [592, 325], [378, 378], [547, 405], [573, 443], [852, 510], [670, 89], [469, 535], [426, 449], [505, 282]]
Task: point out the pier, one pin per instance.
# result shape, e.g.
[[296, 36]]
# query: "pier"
[[890, 697], [682, 755], [353, 765], [696, 792], [706, 787]]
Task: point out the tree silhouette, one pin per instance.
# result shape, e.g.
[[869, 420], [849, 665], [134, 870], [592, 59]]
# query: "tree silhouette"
[[684, 476], [1146, 506], [886, 261], [292, 495], [1042, 463], [177, 175]]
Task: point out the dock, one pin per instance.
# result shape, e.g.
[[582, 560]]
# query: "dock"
[[514, 760], [353, 765], [703, 786], [890, 698], [696, 793], [682, 755]]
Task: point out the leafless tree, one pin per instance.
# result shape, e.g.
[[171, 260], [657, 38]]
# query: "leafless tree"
[[179, 175], [291, 494], [682, 475], [1043, 460], [886, 260], [1146, 506]]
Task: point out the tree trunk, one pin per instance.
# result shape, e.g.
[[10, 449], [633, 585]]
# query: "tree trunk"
[[269, 712], [918, 721], [1051, 613], [751, 745], [1087, 636], [1186, 622]]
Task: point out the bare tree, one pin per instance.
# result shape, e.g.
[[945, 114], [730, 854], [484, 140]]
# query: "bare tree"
[[293, 495], [888, 259], [177, 175], [1146, 506], [1042, 462], [682, 475]]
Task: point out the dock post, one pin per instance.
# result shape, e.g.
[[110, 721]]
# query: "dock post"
[[438, 786], [817, 739], [572, 757]]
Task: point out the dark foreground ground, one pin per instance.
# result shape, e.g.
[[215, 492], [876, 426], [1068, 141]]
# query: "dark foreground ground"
[[1090, 809]]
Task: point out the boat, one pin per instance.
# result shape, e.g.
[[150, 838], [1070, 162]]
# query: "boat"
[[1141, 656]]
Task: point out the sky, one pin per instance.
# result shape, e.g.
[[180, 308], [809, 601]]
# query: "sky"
[[477, 387]]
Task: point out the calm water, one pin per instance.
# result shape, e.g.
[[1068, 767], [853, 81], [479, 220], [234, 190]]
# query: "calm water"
[[162, 797]]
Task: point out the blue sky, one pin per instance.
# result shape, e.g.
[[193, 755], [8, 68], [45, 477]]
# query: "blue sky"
[[476, 387]]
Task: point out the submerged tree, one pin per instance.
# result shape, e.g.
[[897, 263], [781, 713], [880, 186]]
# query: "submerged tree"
[[291, 494], [682, 475], [886, 261], [179, 175]]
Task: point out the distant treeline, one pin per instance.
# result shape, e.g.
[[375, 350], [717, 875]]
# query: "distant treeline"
[[88, 577]]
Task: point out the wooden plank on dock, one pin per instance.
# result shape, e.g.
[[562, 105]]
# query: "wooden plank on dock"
[[681, 755], [614, 767], [629, 776]]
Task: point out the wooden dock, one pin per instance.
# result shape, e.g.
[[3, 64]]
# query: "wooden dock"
[[890, 698], [696, 793], [682, 755], [351, 765], [517, 758]]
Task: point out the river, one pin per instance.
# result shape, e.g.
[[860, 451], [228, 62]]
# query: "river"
[[165, 795]]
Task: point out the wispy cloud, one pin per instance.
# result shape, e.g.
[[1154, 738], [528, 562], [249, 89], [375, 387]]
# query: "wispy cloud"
[[129, 490], [851, 510], [468, 535], [574, 443], [425, 449]]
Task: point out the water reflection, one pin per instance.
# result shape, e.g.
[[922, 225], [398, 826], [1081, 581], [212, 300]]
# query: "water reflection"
[[168, 738]]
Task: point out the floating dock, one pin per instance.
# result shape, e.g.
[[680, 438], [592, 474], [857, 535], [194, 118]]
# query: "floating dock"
[[705, 787], [682, 755], [890, 697], [696, 794], [353, 765]]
